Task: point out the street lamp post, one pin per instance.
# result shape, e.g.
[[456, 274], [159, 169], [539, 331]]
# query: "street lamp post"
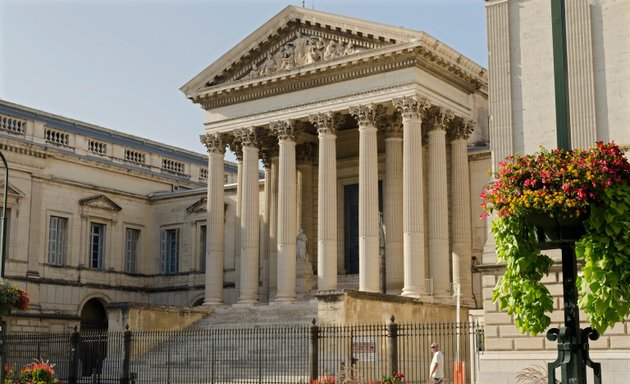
[[573, 356], [3, 238]]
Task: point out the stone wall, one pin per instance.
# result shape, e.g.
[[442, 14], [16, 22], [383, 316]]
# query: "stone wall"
[[350, 307], [516, 351], [144, 317]]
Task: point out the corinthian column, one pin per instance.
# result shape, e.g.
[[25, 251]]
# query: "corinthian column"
[[326, 202], [393, 206], [287, 210], [438, 206], [460, 130], [215, 144], [368, 198], [249, 217], [412, 109]]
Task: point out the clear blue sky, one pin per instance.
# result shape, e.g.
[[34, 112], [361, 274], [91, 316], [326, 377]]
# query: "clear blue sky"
[[119, 64]]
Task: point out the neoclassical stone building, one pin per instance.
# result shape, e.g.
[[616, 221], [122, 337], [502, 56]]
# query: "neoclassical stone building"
[[97, 217], [374, 143], [522, 117]]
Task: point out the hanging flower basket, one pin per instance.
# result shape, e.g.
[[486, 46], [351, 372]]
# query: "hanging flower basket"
[[12, 297], [553, 197]]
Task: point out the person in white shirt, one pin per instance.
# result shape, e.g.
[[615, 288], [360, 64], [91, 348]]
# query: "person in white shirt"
[[436, 372]]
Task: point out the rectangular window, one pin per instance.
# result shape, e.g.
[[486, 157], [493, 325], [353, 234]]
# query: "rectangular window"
[[57, 240], [97, 245], [131, 249], [203, 247], [169, 249]]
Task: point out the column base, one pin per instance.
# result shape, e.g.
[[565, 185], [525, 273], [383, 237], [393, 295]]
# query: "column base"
[[212, 302], [285, 299]]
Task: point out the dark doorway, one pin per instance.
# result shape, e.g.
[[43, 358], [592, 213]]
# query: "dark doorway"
[[351, 225], [93, 341]]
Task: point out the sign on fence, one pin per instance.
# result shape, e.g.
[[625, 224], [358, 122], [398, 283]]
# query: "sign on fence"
[[364, 348]]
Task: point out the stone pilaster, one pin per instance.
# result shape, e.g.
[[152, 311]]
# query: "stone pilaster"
[[499, 82], [215, 143], [326, 201], [249, 217], [460, 130], [393, 206], [413, 109], [366, 115], [581, 75], [287, 210], [438, 206]]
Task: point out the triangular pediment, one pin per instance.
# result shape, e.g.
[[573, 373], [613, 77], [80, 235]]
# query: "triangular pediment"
[[293, 39], [198, 206], [100, 202]]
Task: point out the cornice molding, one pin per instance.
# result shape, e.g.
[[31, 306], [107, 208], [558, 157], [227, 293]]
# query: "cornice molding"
[[351, 67]]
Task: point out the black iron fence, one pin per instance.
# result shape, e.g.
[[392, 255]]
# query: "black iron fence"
[[289, 354]]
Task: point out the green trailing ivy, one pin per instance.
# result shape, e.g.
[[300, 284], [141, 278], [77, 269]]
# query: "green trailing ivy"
[[591, 185], [605, 279], [519, 290]]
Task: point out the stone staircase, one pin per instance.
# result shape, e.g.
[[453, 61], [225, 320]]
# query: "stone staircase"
[[301, 312], [235, 344]]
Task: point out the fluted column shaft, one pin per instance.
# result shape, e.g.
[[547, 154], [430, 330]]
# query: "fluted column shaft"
[[368, 199], [326, 202], [273, 228], [438, 208], [215, 226], [249, 219], [393, 208], [460, 206], [287, 211], [412, 109]]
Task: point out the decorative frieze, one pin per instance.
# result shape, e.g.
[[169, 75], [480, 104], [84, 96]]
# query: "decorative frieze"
[[214, 142], [301, 50]]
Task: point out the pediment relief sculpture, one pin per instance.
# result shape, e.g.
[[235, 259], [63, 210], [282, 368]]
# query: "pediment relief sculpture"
[[303, 49]]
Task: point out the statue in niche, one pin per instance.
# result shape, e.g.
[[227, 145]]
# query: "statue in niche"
[[381, 235], [302, 256]]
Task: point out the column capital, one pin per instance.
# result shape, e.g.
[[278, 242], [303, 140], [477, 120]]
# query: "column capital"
[[306, 152], [237, 147], [368, 114], [461, 128], [440, 118], [285, 129], [326, 122], [412, 107], [249, 136], [269, 150], [393, 126], [215, 142]]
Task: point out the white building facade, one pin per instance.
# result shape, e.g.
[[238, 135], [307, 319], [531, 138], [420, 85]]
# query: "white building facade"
[[522, 117], [374, 145]]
